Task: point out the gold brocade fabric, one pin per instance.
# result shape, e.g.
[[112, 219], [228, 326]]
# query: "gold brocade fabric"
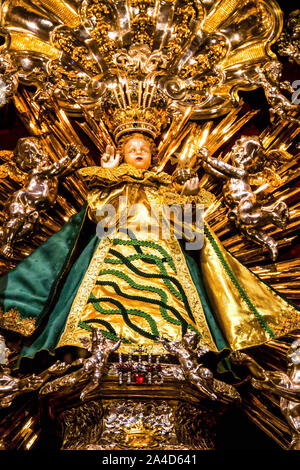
[[142, 288], [153, 307], [240, 326], [105, 184], [138, 292]]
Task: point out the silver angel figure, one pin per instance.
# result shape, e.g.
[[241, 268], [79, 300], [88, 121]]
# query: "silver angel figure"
[[285, 385], [90, 371], [249, 214], [8, 72], [187, 351], [289, 42], [39, 191], [10, 386], [268, 77], [96, 365]]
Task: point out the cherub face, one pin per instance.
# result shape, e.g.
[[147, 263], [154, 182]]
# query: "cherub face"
[[248, 153], [191, 340], [35, 155], [137, 152], [30, 154]]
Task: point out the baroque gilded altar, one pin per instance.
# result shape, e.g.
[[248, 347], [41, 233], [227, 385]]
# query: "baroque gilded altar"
[[147, 217]]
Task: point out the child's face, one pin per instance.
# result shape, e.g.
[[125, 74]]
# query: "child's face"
[[137, 152], [35, 155], [248, 155]]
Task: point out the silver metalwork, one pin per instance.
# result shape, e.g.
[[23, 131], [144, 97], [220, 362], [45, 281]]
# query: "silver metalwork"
[[91, 370], [39, 191], [96, 365], [10, 386], [268, 77], [248, 213], [8, 72], [285, 385], [289, 42], [188, 352]]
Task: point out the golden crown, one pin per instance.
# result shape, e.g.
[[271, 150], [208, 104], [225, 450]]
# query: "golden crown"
[[131, 108], [129, 97], [129, 120]]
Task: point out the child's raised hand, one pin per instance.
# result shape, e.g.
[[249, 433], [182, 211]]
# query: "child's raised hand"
[[109, 158], [191, 187]]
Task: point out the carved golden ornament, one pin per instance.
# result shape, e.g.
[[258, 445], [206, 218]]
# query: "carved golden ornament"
[[183, 16], [13, 321], [142, 23], [98, 14], [213, 52], [139, 435], [196, 51], [289, 41], [64, 40]]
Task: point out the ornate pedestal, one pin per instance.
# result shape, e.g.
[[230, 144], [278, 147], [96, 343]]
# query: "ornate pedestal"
[[172, 415]]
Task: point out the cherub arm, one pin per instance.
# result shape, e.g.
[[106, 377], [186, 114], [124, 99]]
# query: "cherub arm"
[[168, 345], [112, 345], [56, 169], [285, 85], [224, 168], [240, 358], [8, 385], [213, 172], [116, 345], [65, 164], [78, 154]]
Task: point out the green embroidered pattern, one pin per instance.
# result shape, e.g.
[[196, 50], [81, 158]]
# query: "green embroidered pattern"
[[148, 257], [243, 294], [165, 277], [155, 246], [126, 312], [168, 312], [108, 334], [164, 298]]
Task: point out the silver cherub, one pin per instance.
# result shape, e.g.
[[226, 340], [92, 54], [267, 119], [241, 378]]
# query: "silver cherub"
[[248, 213], [10, 386], [95, 366], [89, 371], [268, 77], [39, 190], [285, 385], [187, 351]]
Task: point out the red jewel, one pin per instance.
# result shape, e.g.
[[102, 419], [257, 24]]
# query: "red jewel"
[[139, 378]]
